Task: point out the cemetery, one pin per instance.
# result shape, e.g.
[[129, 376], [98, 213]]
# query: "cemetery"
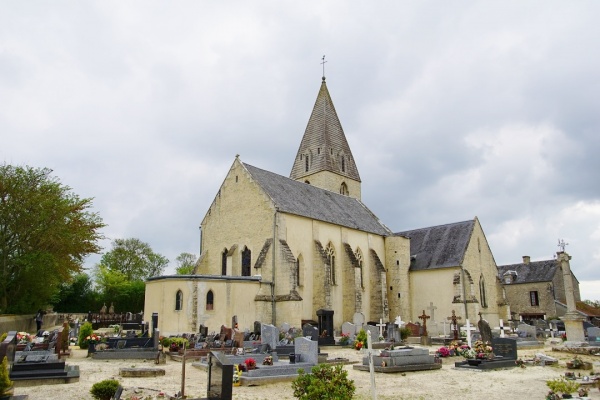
[[263, 360]]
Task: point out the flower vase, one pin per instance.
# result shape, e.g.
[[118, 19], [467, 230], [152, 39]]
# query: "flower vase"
[[91, 348]]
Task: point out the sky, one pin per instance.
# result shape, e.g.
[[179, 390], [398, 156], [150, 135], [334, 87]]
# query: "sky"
[[453, 110]]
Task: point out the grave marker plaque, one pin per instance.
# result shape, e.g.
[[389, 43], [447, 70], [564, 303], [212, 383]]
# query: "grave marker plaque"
[[505, 347]]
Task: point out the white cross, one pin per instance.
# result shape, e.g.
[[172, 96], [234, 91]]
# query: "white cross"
[[432, 309], [371, 366], [551, 330], [380, 325], [468, 328], [399, 321], [501, 328]]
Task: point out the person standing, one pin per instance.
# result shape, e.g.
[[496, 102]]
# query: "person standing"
[[39, 318]]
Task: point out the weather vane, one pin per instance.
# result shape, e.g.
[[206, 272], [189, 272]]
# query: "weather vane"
[[323, 63], [562, 245]]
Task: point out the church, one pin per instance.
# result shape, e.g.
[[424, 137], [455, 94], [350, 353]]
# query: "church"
[[281, 249]]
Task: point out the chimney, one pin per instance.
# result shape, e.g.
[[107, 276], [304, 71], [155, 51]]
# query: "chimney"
[[526, 259]]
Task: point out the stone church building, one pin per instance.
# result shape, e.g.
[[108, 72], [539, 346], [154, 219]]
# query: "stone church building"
[[277, 249]]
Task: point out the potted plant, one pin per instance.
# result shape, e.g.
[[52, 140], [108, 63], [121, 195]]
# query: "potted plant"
[[344, 339], [564, 386]]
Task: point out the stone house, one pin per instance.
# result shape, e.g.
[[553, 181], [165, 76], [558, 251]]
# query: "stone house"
[[536, 289]]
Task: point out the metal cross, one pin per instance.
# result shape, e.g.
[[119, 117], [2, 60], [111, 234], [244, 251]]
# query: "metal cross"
[[323, 63], [561, 242]]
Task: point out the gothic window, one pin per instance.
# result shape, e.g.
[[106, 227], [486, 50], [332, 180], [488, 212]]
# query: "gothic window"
[[343, 164], [210, 299], [298, 272], [246, 258], [224, 262], [482, 294], [179, 300], [306, 164], [534, 298], [331, 258], [344, 189]]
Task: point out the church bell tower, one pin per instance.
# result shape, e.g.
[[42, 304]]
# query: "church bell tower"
[[324, 158]]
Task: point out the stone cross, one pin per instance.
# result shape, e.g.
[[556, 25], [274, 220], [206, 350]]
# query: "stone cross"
[[445, 323], [381, 325], [454, 324], [431, 309], [424, 317], [399, 322], [551, 329], [501, 327], [468, 328]]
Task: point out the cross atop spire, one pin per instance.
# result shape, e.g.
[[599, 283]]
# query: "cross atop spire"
[[561, 242], [323, 64]]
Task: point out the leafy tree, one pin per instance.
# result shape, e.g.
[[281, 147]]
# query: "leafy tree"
[[186, 262], [593, 303], [134, 259], [126, 295], [325, 382], [46, 231], [77, 296]]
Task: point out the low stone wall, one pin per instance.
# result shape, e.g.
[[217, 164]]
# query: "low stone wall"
[[26, 323]]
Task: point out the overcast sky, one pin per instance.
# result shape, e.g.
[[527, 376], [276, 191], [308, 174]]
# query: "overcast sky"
[[452, 110]]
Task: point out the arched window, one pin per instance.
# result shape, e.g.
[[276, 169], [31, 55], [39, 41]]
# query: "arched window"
[[330, 251], [210, 298], [224, 262], [343, 164], [246, 261], [482, 294], [179, 300], [344, 189], [306, 163]]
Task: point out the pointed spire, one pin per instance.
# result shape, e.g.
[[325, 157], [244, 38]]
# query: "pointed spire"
[[324, 147]]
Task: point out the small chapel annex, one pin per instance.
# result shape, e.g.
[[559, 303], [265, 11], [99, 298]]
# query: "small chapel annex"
[[277, 249]]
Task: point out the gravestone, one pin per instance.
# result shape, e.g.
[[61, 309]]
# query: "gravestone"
[[8, 347], [348, 328], [358, 320], [325, 318], [393, 333], [285, 327], [310, 331], [401, 360], [307, 349], [485, 331], [154, 322], [238, 339], [220, 377], [505, 347], [269, 335], [257, 327], [526, 331], [373, 329], [415, 330], [593, 331]]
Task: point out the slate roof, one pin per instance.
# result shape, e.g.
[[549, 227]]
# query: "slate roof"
[[309, 201], [441, 246], [535, 271], [325, 141]]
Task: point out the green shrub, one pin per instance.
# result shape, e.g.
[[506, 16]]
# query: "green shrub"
[[404, 333], [325, 382], [84, 331], [105, 389], [5, 382], [168, 341]]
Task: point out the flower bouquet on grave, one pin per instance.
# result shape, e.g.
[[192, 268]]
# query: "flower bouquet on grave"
[[483, 350], [237, 373], [443, 351], [268, 360], [93, 339], [250, 363], [462, 349], [344, 339], [23, 337]]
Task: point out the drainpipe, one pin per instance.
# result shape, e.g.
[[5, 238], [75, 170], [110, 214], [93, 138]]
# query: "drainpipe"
[[273, 308]]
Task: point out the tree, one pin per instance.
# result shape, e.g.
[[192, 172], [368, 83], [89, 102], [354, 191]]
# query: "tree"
[[77, 296], [186, 262], [134, 259], [46, 231], [126, 295]]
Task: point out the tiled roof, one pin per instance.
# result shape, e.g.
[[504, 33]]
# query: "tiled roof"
[[302, 199], [325, 141], [534, 271], [439, 246]]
